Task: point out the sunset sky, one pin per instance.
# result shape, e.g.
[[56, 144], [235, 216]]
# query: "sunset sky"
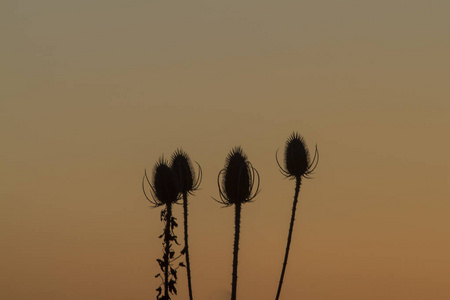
[[95, 92]]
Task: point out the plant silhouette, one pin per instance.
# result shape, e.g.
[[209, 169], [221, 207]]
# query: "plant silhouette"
[[236, 184], [186, 183], [297, 165], [164, 191]]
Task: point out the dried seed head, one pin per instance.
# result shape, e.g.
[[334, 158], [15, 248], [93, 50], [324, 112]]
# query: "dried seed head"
[[184, 172], [164, 186], [297, 161], [296, 155], [238, 179]]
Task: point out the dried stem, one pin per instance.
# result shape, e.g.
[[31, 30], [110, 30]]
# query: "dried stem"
[[237, 225], [186, 245], [291, 227], [167, 238]]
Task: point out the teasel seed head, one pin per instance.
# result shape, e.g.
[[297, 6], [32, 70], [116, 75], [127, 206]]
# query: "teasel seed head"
[[297, 160], [163, 188], [239, 181], [184, 172]]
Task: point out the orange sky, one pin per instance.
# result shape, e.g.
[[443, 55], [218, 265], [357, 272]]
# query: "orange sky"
[[94, 92]]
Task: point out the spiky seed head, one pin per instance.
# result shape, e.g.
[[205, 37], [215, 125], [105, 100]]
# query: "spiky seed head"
[[296, 156], [164, 183], [183, 171], [238, 179]]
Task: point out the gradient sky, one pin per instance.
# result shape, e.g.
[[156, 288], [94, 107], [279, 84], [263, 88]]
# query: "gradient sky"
[[94, 92]]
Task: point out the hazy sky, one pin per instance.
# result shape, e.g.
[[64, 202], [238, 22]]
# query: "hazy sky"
[[94, 92]]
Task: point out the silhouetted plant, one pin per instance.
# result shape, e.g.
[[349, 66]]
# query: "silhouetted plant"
[[297, 165], [164, 191], [187, 183], [237, 186]]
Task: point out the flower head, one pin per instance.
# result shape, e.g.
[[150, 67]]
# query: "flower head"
[[238, 179], [297, 161], [184, 172], [163, 189]]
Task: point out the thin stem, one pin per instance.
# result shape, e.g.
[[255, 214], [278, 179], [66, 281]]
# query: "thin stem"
[[186, 245], [297, 189], [167, 237], [237, 226]]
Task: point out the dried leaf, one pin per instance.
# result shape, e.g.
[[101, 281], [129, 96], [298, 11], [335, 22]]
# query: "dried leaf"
[[159, 290], [174, 273], [172, 288], [161, 264]]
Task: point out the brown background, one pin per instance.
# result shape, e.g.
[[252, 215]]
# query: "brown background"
[[94, 92]]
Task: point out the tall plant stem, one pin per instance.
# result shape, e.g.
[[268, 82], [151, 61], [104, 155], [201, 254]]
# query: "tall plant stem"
[[291, 227], [167, 237], [237, 226], [186, 245]]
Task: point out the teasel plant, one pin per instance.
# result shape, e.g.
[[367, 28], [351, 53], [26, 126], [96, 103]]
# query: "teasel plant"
[[238, 183], [297, 165], [187, 183], [164, 192]]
